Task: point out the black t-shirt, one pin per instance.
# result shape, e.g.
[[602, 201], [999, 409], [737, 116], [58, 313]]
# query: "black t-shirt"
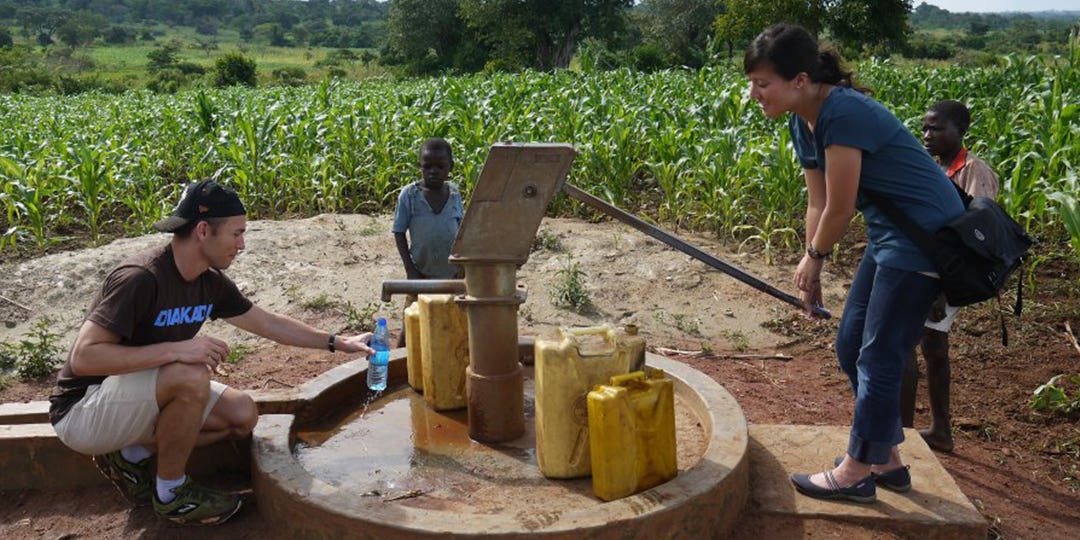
[[145, 300]]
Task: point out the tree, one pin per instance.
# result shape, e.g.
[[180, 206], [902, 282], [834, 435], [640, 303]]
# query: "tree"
[[423, 35], [681, 27], [81, 28], [542, 33], [118, 35], [272, 33], [5, 38], [37, 21], [234, 68], [162, 58], [869, 25], [742, 20]]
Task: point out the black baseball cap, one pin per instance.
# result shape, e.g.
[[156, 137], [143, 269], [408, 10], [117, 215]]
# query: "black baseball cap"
[[203, 199]]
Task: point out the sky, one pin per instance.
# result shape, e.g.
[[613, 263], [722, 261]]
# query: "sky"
[[956, 6]]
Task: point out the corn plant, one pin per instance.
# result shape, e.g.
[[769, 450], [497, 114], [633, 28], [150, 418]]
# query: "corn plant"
[[1068, 207], [683, 147]]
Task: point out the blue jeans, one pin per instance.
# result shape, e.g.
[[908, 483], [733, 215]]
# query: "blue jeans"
[[882, 322]]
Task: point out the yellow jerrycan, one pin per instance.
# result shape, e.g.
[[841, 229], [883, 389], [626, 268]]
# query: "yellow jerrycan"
[[566, 369], [413, 354], [444, 351], [632, 434], [635, 345]]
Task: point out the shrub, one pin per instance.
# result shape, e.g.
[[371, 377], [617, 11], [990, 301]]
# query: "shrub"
[[290, 76], [1054, 396], [234, 69], [570, 290], [36, 355], [650, 57]]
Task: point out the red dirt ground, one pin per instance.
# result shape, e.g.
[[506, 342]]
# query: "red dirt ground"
[[1020, 469]]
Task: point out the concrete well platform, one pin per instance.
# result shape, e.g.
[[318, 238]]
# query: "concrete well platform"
[[935, 508], [308, 499]]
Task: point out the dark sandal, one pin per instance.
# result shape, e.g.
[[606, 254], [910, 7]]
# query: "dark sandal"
[[862, 491], [898, 479]]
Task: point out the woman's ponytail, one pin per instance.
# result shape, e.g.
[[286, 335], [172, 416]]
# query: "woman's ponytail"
[[830, 69]]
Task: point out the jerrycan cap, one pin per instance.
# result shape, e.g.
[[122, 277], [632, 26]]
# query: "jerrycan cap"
[[380, 322]]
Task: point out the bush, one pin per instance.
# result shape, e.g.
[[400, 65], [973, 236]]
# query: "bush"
[[167, 81], [190, 68], [594, 56], [20, 70], [36, 355], [650, 57], [119, 35], [234, 69], [921, 46], [206, 27], [570, 290], [1055, 397], [70, 86], [290, 76]]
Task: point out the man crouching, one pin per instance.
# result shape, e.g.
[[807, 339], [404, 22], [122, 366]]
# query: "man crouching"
[[137, 381]]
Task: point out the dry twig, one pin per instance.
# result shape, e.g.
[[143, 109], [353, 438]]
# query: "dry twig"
[[14, 303], [777, 356], [404, 495], [1072, 338], [271, 379], [680, 352]]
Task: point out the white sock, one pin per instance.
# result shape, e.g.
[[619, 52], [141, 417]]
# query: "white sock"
[[165, 488], [135, 453]]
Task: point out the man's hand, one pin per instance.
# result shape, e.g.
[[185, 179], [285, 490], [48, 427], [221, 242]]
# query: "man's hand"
[[201, 350], [357, 343]]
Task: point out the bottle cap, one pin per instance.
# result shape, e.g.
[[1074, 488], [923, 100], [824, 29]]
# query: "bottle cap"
[[381, 322]]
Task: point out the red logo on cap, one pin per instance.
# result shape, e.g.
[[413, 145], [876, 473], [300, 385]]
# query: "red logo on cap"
[[203, 209]]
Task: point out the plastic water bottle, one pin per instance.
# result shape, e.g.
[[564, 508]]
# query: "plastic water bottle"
[[378, 363]]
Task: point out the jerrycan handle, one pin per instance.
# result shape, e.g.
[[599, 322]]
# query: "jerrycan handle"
[[628, 379], [635, 378], [606, 331]]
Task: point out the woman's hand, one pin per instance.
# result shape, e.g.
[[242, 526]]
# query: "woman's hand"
[[808, 280]]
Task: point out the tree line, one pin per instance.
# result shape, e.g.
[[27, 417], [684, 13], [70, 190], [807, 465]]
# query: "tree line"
[[420, 37], [337, 23]]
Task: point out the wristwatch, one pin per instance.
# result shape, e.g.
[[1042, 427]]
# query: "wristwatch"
[[815, 254]]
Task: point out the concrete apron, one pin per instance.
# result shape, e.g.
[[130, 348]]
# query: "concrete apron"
[[31, 457], [935, 508]]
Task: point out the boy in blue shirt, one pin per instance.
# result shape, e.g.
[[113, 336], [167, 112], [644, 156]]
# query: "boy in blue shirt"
[[430, 211]]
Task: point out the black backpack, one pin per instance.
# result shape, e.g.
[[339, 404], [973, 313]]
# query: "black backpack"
[[974, 254]]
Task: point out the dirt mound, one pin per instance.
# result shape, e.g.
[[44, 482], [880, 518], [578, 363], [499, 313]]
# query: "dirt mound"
[[1019, 468]]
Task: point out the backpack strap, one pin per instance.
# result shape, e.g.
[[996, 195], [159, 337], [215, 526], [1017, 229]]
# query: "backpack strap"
[[1019, 306], [917, 234]]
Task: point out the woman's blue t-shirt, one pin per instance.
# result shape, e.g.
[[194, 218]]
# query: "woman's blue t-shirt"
[[894, 164]]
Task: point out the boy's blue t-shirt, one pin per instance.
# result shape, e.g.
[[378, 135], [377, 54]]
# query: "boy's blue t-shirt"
[[431, 235], [894, 164]]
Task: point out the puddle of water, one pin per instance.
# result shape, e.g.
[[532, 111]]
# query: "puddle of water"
[[400, 450]]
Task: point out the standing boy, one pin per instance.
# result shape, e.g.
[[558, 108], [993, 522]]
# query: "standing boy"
[[430, 211], [944, 126]]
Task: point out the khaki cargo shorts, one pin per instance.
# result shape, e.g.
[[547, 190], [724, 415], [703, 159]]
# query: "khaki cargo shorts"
[[119, 412]]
